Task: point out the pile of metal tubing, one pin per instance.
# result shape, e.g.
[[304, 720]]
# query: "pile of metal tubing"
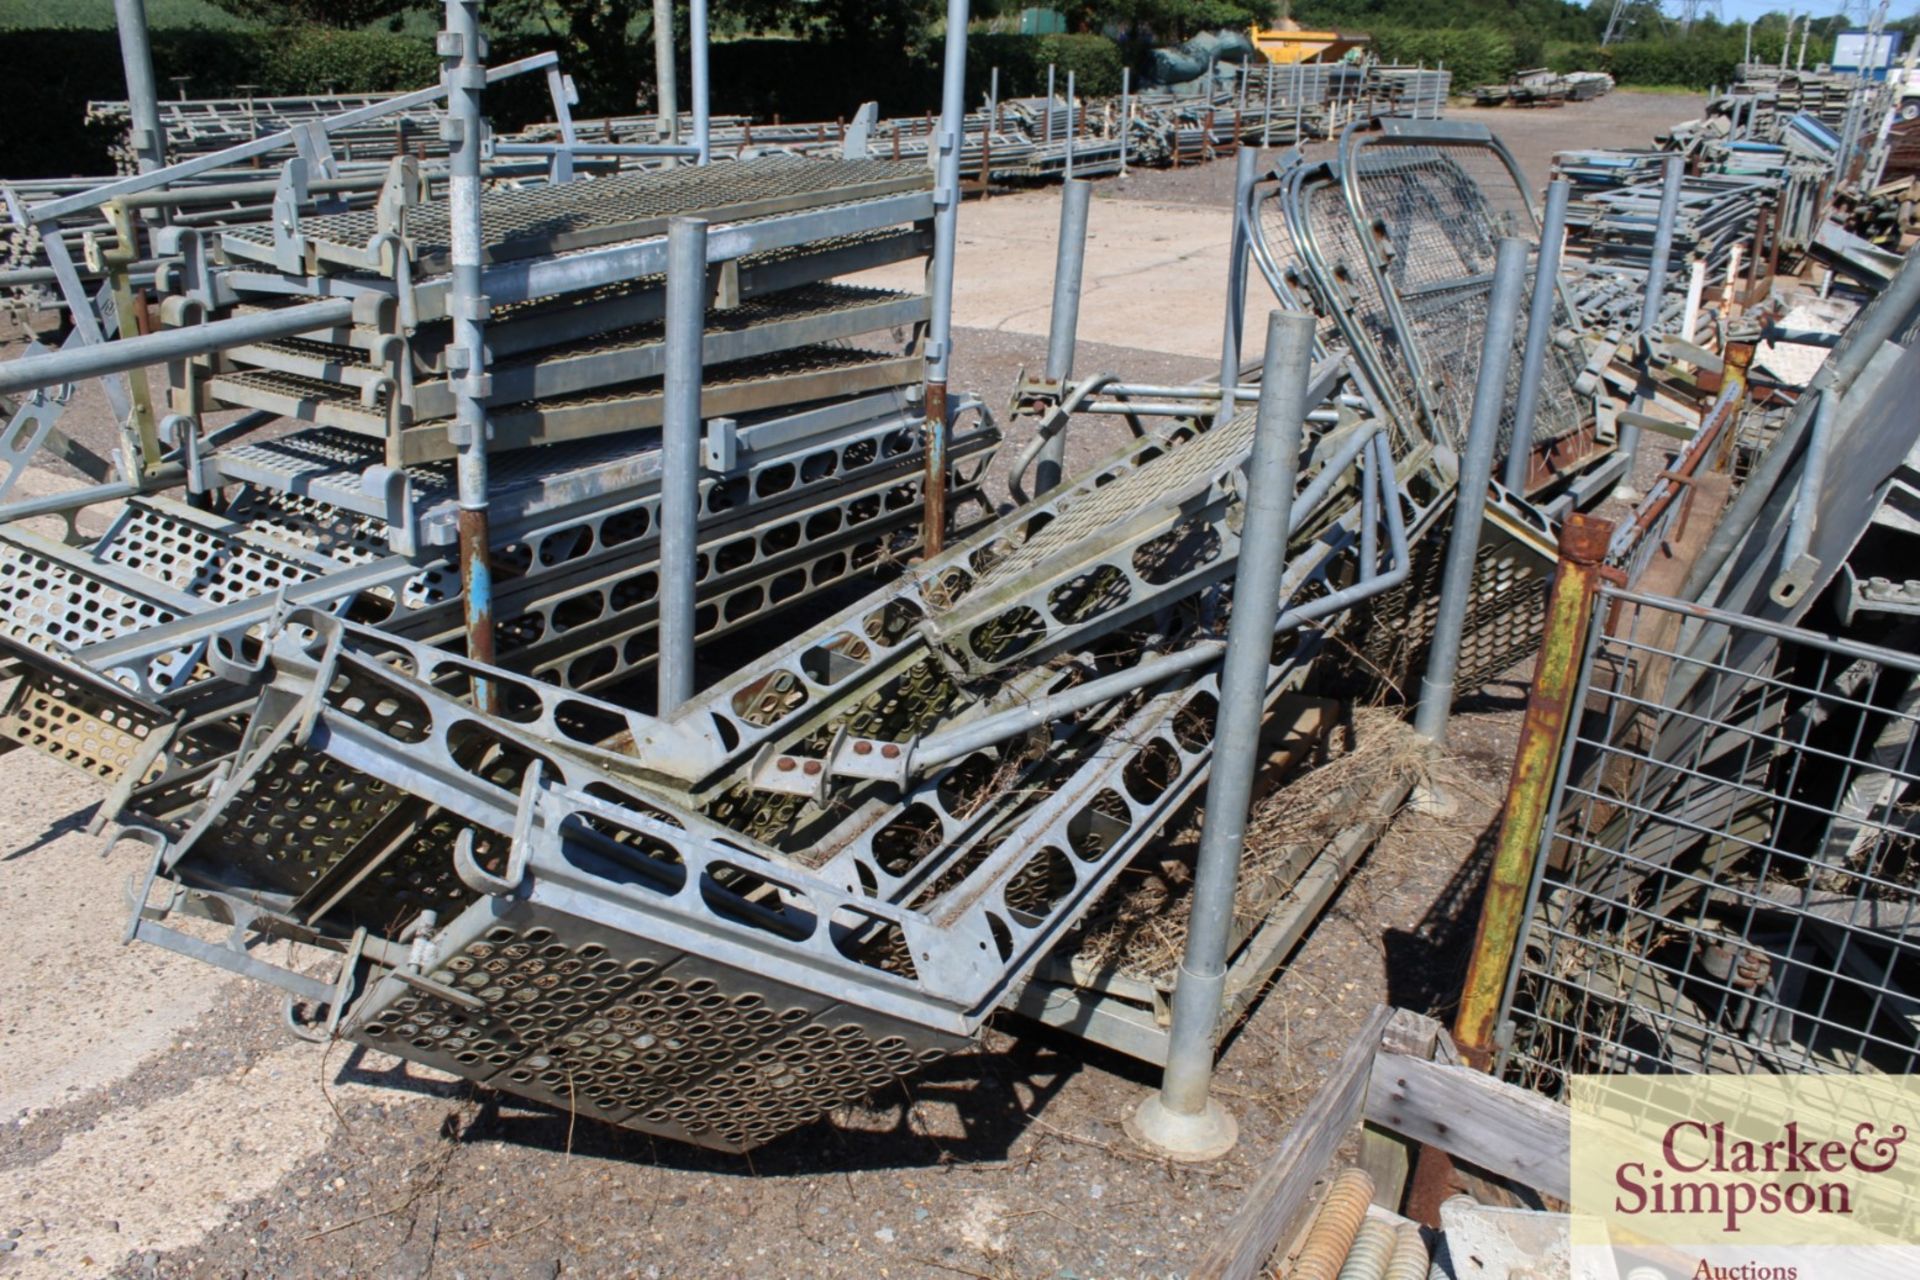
[[1837, 130], [217, 189], [201, 125], [1780, 92], [1706, 231], [638, 716], [1615, 230], [347, 144]]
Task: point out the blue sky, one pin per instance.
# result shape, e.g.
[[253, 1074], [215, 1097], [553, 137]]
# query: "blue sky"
[[1738, 10]]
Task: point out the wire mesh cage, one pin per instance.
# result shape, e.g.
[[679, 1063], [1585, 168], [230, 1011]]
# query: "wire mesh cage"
[[1433, 217], [1730, 875]]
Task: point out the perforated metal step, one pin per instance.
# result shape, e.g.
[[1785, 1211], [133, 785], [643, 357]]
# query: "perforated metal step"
[[55, 602], [589, 1016], [1109, 548], [788, 983], [203, 557], [159, 563], [1507, 609], [806, 316], [790, 378], [302, 398], [62, 714], [514, 329], [523, 222]]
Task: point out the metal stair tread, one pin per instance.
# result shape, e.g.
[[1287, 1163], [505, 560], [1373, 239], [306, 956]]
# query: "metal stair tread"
[[524, 222]]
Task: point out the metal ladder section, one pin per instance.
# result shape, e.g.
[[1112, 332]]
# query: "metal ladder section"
[[576, 286], [114, 633], [649, 920]]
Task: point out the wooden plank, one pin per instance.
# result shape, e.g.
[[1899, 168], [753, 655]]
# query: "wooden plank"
[[1413, 1034], [1283, 1187], [1473, 1117], [1388, 1159]]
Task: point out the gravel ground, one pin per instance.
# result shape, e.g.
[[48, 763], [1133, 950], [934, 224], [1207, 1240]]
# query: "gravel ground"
[[1621, 119], [155, 1119]]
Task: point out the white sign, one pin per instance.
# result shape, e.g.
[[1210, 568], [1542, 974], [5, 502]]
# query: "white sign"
[[1850, 50]]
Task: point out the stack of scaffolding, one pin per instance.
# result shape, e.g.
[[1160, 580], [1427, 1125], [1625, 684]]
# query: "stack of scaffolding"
[[833, 863], [712, 915], [199, 126], [218, 184], [1780, 93], [1012, 140], [1614, 221], [1596, 171], [809, 390], [566, 368]]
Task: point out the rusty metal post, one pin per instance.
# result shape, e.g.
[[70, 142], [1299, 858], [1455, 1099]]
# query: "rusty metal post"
[[1550, 712], [1773, 247], [944, 153], [465, 130], [933, 532], [1759, 252]]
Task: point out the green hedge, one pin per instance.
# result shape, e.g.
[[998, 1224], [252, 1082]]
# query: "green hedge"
[[73, 67], [764, 77], [310, 59], [1699, 61], [1475, 55], [1095, 61], [767, 76], [1696, 63], [1564, 56]]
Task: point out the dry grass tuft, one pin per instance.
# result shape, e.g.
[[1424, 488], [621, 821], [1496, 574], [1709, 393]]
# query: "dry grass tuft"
[[1143, 931]]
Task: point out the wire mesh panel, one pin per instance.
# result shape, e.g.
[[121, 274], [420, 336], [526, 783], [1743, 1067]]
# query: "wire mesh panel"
[[1276, 253], [1730, 879], [1390, 645], [1345, 287], [1436, 215]]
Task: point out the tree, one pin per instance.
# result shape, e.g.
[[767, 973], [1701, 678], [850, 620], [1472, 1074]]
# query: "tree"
[[341, 14], [598, 44], [901, 27], [1170, 21], [892, 42]]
